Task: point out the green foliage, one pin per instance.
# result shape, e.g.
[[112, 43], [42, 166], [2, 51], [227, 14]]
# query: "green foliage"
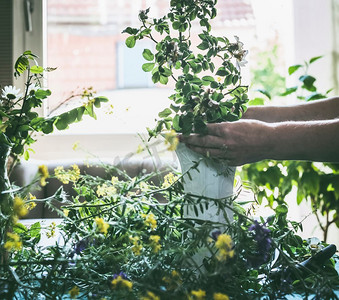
[[265, 79], [316, 183], [198, 99], [115, 226], [19, 121]]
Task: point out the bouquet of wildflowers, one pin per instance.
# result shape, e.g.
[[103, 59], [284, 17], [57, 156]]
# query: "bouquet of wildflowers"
[[117, 241]]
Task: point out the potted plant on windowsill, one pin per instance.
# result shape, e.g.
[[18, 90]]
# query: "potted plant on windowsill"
[[208, 87]]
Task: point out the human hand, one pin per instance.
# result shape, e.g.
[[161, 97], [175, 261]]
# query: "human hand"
[[239, 142]]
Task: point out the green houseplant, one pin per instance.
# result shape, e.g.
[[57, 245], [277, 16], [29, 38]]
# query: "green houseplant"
[[207, 76]]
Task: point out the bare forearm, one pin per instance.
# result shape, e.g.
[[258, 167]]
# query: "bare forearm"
[[326, 109], [312, 141]]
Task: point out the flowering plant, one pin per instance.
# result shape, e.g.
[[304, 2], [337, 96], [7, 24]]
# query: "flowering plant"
[[117, 241], [19, 121], [208, 85]]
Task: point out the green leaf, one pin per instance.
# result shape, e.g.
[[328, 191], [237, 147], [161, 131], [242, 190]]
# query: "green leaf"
[[148, 55], [289, 91], [313, 59], [186, 89], [264, 92], [308, 81], [130, 30], [256, 101], [61, 123], [130, 41], [47, 127], [294, 68], [98, 100], [203, 46], [281, 209], [165, 113], [42, 94], [19, 228], [163, 79], [200, 126], [222, 72], [89, 110], [176, 122], [35, 230], [208, 78], [73, 114], [80, 111], [37, 69], [156, 77], [148, 67], [314, 96], [26, 155], [21, 65], [310, 183], [176, 25]]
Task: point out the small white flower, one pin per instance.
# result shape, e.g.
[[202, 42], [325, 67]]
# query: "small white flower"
[[238, 43], [33, 87], [240, 60], [11, 93], [314, 244], [239, 53]]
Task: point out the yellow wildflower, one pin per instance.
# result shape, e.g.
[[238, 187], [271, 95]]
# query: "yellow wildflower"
[[102, 225], [140, 148], [150, 296], [13, 242], [75, 175], [154, 239], [169, 179], [114, 180], [119, 282], [150, 220], [31, 197], [65, 176], [220, 296], [175, 273], [105, 190], [171, 139], [43, 171], [19, 207], [198, 295], [51, 232], [75, 146], [109, 110], [224, 244], [66, 212], [137, 246], [30, 205], [74, 292], [173, 281]]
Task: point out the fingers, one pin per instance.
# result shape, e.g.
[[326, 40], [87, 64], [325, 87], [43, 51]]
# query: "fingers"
[[208, 141], [215, 153], [209, 152]]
